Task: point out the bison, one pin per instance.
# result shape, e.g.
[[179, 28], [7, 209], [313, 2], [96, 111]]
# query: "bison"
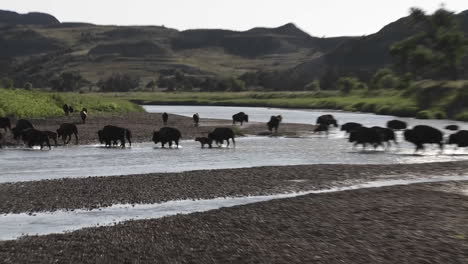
[[396, 125], [422, 134], [165, 117], [274, 122], [167, 135], [321, 128], [240, 117], [111, 134], [196, 120], [222, 133], [34, 137], [21, 125], [460, 139], [452, 127], [51, 135], [66, 109], [1, 140], [5, 123], [386, 135], [350, 126], [363, 136], [204, 141], [84, 115], [327, 120], [66, 130]]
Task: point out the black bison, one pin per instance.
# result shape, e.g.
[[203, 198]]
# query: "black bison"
[[51, 135], [460, 139], [167, 135], [396, 125], [321, 128], [21, 125], [34, 137], [196, 120], [84, 115], [5, 123], [111, 134], [422, 134], [274, 122], [386, 135], [222, 133], [240, 117], [66, 109], [350, 126], [363, 136], [1, 140], [65, 131], [204, 141], [327, 120], [452, 127], [165, 117]]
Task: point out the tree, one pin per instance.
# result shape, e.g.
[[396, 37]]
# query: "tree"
[[119, 83], [384, 79], [6, 82], [67, 81], [151, 85], [347, 84], [28, 86], [435, 52]]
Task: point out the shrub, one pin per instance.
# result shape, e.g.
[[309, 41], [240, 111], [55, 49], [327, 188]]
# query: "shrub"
[[425, 114]]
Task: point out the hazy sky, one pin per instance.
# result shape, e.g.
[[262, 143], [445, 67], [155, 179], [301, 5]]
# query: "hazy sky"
[[318, 18]]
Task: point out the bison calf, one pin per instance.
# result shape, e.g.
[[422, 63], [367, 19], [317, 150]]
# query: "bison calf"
[[204, 141]]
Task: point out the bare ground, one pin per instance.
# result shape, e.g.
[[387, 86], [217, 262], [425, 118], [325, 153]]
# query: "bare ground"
[[404, 224]]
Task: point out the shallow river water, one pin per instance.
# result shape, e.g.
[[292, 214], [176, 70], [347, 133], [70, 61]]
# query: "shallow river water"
[[19, 164]]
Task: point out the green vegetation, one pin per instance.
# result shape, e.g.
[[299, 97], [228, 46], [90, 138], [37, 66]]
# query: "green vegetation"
[[31, 104]]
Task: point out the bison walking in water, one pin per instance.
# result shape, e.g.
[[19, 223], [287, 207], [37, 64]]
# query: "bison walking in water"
[[222, 133], [350, 126], [111, 134], [66, 131], [422, 134], [196, 120], [5, 123], [327, 120], [33, 137], [204, 141], [452, 127], [240, 117], [460, 139], [165, 117], [321, 128], [274, 122], [167, 135], [84, 115], [51, 135], [386, 135], [21, 125], [363, 136], [396, 125]]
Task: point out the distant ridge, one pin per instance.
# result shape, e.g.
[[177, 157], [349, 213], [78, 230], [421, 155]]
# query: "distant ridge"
[[33, 18]]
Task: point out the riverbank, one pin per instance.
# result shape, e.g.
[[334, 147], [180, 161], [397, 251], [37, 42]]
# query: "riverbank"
[[94, 192], [421, 223], [142, 125]]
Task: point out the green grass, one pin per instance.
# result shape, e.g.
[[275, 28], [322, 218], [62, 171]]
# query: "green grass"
[[32, 104], [384, 102]]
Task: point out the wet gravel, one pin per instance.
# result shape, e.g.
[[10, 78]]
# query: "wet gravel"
[[93, 192], [401, 224]]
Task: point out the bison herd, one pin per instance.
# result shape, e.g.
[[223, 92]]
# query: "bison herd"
[[358, 134]]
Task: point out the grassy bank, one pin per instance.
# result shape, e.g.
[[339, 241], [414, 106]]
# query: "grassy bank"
[[32, 104], [387, 102], [424, 99]]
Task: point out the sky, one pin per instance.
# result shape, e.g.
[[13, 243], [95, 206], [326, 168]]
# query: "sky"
[[318, 18]]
